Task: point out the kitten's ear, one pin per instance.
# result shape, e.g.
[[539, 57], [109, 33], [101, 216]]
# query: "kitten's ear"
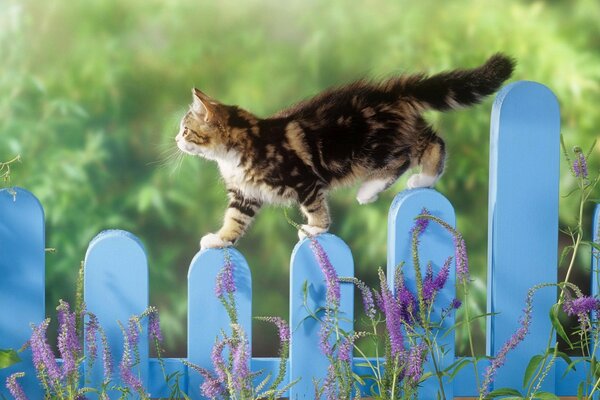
[[203, 106]]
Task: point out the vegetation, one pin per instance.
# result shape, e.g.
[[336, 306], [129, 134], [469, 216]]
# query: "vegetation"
[[92, 93]]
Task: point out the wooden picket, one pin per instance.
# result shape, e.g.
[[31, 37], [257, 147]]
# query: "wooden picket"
[[522, 240]]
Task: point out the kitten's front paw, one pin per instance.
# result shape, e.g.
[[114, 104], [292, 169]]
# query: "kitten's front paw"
[[420, 181], [311, 230], [213, 241]]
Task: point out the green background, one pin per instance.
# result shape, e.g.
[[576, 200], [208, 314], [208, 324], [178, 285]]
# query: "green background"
[[91, 93]]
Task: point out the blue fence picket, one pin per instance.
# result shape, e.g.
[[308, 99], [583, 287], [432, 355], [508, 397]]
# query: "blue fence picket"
[[308, 290], [22, 284], [436, 246], [523, 221], [595, 261], [206, 315], [116, 288]]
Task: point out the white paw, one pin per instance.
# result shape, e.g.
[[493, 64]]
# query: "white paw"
[[213, 241], [363, 199], [311, 230], [420, 180], [369, 190]]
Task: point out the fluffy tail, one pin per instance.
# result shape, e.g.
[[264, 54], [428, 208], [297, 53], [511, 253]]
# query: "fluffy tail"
[[458, 88]]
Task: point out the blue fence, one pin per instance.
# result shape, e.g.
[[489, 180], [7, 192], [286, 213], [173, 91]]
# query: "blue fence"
[[522, 251]]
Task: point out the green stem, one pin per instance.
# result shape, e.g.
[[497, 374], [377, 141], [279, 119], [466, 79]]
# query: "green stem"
[[470, 334]]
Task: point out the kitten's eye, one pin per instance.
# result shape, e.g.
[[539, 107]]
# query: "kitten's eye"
[[186, 132]]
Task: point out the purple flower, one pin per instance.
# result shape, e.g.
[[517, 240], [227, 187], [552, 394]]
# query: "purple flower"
[[345, 349], [393, 319], [329, 386], [211, 388], [43, 358], [130, 344], [14, 388], [241, 360], [455, 304], [217, 359], [91, 329], [367, 298], [324, 344], [68, 342], [510, 344], [225, 281], [407, 301], [414, 365], [420, 223], [460, 255], [581, 305], [331, 278], [282, 327], [154, 324], [431, 285], [580, 164], [107, 361]]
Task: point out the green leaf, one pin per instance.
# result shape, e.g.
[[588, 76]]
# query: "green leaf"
[[533, 365], [557, 325], [505, 392], [563, 254], [545, 396], [8, 357]]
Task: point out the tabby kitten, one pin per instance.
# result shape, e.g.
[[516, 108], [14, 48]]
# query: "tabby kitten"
[[366, 131]]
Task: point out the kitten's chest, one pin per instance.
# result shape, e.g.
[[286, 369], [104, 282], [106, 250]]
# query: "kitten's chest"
[[251, 183]]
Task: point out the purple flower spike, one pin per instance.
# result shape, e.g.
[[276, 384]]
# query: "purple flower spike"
[[43, 358], [393, 319], [225, 281], [107, 361], [421, 223], [460, 255], [367, 298], [456, 303], [580, 164], [217, 360], [510, 344], [331, 278], [324, 344], [416, 358], [127, 375], [282, 327], [431, 285], [91, 329], [68, 343], [581, 305], [154, 325], [211, 388], [345, 349], [241, 361], [14, 388]]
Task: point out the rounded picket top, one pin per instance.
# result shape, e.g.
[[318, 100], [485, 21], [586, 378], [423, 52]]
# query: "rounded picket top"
[[115, 289], [207, 318], [308, 290], [22, 282]]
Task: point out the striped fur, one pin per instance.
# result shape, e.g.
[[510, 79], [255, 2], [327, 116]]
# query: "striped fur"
[[370, 132]]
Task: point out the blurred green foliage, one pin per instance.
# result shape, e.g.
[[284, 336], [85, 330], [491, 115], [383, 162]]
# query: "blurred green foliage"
[[92, 91]]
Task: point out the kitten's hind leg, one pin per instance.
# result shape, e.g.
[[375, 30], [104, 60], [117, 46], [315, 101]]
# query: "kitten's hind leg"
[[432, 161], [378, 182], [369, 190], [315, 208]]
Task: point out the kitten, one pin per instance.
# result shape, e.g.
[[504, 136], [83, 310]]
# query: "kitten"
[[366, 131]]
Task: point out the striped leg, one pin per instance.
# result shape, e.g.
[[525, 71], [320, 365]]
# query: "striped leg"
[[238, 216], [317, 214]]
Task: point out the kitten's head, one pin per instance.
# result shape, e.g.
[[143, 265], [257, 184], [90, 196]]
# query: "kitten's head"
[[202, 131]]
